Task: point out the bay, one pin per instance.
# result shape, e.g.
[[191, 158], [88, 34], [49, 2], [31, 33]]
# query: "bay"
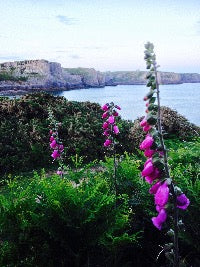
[[183, 98]]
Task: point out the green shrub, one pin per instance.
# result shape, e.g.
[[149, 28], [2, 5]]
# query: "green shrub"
[[75, 221], [52, 221], [24, 134]]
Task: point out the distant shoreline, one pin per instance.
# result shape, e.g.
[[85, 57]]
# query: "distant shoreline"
[[21, 77], [10, 93]]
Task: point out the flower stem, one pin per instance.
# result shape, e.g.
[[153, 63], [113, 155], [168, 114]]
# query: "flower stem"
[[114, 167], [167, 171]]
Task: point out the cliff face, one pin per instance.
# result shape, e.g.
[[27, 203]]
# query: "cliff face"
[[139, 77], [33, 75]]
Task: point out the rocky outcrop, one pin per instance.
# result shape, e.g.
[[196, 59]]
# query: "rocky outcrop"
[[34, 75], [139, 77], [89, 77]]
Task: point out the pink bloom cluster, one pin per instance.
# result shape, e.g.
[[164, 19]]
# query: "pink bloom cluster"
[[57, 148], [145, 125], [109, 126], [160, 189]]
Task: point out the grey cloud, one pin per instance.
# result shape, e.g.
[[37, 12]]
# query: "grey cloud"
[[66, 20]]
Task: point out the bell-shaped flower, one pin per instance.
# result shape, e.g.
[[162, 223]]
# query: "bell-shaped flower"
[[105, 115], [115, 113], [162, 195], [55, 154], [105, 125], [118, 107], [53, 144], [105, 107], [146, 128], [51, 138], [148, 169], [153, 176], [182, 202], [107, 143], [61, 148], [160, 219], [106, 132], [149, 152], [147, 142], [115, 129], [111, 119], [154, 188], [143, 123]]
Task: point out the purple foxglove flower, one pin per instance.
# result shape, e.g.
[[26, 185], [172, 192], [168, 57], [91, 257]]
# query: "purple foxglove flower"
[[51, 138], [115, 129], [105, 125], [106, 133], [160, 219], [149, 152], [115, 113], [153, 176], [159, 208], [111, 119], [182, 202], [55, 154], [61, 148], [104, 107], [148, 169], [53, 144], [146, 128], [147, 143], [162, 195], [118, 107], [147, 161], [107, 142], [149, 179], [143, 123], [105, 115], [154, 188]]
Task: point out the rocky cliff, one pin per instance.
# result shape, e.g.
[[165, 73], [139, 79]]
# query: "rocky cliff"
[[33, 75]]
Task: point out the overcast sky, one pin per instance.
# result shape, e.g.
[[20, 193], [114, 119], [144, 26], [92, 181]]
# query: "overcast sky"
[[104, 34]]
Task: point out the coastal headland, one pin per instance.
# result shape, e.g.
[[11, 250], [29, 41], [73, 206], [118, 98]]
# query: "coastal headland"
[[20, 77]]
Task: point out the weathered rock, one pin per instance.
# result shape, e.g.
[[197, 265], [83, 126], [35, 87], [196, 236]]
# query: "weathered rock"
[[35, 75]]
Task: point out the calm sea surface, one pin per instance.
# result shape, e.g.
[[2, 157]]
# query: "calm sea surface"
[[184, 98]]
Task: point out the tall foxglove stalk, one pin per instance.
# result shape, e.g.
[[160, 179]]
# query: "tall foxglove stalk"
[[156, 169], [55, 143], [110, 131]]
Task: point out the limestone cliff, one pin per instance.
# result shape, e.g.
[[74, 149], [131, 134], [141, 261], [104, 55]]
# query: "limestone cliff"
[[32, 75]]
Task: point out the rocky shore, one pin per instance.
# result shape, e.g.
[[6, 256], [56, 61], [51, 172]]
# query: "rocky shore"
[[20, 77]]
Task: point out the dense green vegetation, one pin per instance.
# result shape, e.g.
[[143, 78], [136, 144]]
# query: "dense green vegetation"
[[77, 221], [5, 76], [74, 222], [24, 133]]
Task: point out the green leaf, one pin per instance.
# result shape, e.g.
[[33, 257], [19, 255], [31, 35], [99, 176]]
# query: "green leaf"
[[151, 119], [153, 85], [150, 94], [153, 107], [152, 100], [158, 163], [149, 84]]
